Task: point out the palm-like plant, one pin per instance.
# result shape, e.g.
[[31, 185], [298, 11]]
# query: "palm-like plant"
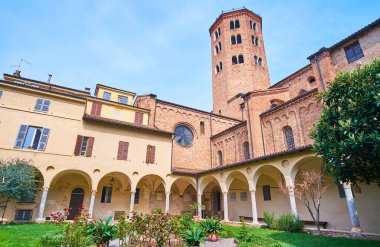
[[194, 237], [103, 232]]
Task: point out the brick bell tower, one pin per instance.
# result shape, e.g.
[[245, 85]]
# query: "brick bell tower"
[[239, 63]]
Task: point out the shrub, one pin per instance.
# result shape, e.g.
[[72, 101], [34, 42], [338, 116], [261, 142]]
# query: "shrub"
[[194, 237], [157, 211], [270, 220], [102, 232], [51, 240], [185, 222], [211, 226], [243, 232], [289, 223]]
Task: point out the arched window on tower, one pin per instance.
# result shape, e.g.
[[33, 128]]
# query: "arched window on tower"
[[238, 39], [216, 50], [256, 60], [220, 65], [234, 60], [220, 158], [237, 24], [246, 151], [241, 59], [220, 47], [257, 42], [232, 25], [233, 40], [311, 79], [202, 127], [289, 138], [216, 35], [254, 26], [218, 31], [260, 61], [216, 69]]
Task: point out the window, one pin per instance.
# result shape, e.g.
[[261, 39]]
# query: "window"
[[238, 39], [32, 137], [122, 151], [241, 59], [237, 24], [266, 193], [123, 99], [232, 25], [216, 49], [311, 79], [218, 31], [139, 117], [220, 47], [84, 146], [106, 194], [288, 133], [301, 92], [183, 135], [42, 105], [137, 196], [220, 158], [96, 109], [202, 127], [255, 40], [233, 196], [243, 196], [216, 35], [217, 69], [220, 65], [256, 60], [234, 60], [260, 61], [233, 40], [353, 52], [1, 94], [106, 95], [150, 154], [253, 25], [246, 150], [273, 105], [23, 215]]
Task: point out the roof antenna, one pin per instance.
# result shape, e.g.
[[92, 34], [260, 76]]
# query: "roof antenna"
[[49, 78], [18, 72]]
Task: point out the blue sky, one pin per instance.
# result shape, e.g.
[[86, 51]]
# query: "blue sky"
[[161, 47]]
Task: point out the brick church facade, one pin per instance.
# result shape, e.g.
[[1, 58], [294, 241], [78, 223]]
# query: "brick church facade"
[[137, 152]]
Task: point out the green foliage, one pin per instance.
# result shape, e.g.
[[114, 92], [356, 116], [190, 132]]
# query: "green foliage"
[[185, 222], [102, 232], [193, 237], [259, 241], [270, 220], [195, 207], [157, 211], [122, 227], [211, 226], [285, 222], [289, 223], [51, 240], [347, 136], [243, 232]]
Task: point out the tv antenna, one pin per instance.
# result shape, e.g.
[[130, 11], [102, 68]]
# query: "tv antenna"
[[19, 65]]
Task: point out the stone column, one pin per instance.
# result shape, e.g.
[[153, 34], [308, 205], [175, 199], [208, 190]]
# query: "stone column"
[[199, 201], [132, 204], [167, 200], [41, 210], [352, 208], [225, 204], [253, 205], [92, 202], [292, 199]]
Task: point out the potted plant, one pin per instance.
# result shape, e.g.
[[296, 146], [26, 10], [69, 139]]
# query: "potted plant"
[[195, 207], [194, 237], [102, 232], [212, 227]]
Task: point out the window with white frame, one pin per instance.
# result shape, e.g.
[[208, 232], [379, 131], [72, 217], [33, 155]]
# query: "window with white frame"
[[32, 137]]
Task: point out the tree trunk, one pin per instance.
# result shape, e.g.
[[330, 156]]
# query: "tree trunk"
[[318, 227], [5, 208]]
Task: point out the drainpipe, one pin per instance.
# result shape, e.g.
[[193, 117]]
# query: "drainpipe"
[[210, 140], [262, 135], [249, 122], [320, 72], [171, 156]]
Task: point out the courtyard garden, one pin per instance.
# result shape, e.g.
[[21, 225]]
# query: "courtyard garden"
[[159, 229]]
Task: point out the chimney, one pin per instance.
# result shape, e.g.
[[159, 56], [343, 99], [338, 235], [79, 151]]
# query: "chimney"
[[17, 73], [87, 90], [49, 78]]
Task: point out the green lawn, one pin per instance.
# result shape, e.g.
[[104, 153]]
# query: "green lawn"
[[24, 234], [302, 239], [28, 234]]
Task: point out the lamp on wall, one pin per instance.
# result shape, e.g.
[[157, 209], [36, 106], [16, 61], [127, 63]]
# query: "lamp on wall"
[[112, 181]]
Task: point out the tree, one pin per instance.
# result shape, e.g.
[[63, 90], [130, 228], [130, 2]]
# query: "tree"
[[308, 188], [17, 182], [347, 136]]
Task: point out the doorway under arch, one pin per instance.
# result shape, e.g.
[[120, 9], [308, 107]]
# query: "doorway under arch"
[[76, 203]]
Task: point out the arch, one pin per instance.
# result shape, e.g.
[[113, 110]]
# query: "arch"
[[233, 40], [234, 60], [241, 58], [237, 24], [233, 176], [120, 177], [188, 180], [269, 170], [289, 137], [275, 102], [311, 79], [84, 174], [304, 162], [207, 180], [238, 39], [153, 183]]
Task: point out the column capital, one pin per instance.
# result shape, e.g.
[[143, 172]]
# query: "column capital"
[[290, 188], [199, 194], [346, 185], [133, 192], [93, 192], [225, 193], [252, 190], [168, 192], [45, 188]]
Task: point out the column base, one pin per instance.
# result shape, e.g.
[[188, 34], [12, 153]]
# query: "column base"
[[256, 223], [40, 220], [356, 230]]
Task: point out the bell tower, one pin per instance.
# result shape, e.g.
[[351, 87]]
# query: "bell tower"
[[238, 60]]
